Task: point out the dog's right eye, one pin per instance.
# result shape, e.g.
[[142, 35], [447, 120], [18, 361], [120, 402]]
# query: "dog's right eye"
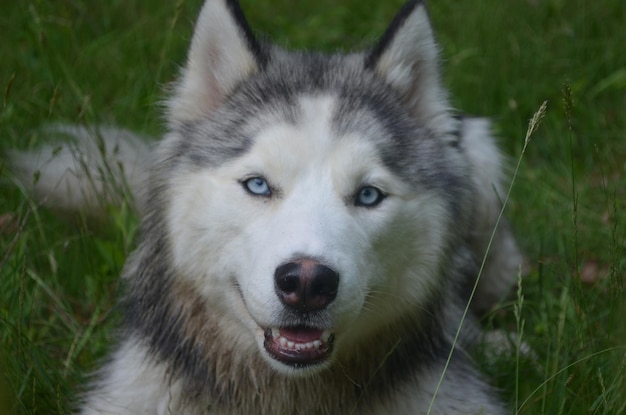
[[257, 186]]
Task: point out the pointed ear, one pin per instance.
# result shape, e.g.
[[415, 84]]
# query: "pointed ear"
[[407, 58], [223, 52]]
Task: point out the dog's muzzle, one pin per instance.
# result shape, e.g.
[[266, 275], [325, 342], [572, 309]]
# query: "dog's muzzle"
[[304, 287]]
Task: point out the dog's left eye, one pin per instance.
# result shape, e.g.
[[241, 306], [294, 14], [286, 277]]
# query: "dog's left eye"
[[257, 186], [369, 196]]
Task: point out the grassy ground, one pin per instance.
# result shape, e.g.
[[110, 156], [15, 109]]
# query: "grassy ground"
[[86, 62]]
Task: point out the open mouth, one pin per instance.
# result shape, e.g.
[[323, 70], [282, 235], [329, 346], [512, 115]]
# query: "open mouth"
[[299, 346]]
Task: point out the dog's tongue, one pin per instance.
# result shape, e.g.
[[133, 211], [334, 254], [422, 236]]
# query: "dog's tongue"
[[300, 334]]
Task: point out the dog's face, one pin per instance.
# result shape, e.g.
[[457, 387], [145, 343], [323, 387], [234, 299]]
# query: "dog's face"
[[308, 238], [311, 198]]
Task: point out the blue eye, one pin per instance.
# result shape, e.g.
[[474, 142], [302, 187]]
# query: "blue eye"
[[369, 196], [257, 186]]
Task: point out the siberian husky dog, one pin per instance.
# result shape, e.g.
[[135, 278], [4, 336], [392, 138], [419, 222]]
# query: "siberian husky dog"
[[313, 226]]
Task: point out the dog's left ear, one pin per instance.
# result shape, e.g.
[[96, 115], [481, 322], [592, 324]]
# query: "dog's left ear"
[[407, 58]]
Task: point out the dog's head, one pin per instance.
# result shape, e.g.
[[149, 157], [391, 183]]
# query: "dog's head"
[[312, 198]]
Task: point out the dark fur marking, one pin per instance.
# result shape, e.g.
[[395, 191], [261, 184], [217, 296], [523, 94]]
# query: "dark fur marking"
[[153, 313], [407, 149], [255, 46], [458, 131], [209, 144]]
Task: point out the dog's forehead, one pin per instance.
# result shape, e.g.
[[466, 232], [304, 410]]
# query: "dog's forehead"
[[363, 105], [314, 138]]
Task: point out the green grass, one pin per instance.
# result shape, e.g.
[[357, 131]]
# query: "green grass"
[[94, 62]]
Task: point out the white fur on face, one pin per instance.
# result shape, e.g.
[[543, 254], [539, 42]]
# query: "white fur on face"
[[224, 237]]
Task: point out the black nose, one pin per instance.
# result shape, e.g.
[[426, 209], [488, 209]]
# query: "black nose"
[[306, 285]]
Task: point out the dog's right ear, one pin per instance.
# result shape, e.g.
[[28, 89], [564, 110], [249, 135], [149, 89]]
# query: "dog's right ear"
[[223, 52]]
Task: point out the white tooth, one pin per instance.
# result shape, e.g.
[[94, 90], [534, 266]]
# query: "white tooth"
[[312, 345]]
